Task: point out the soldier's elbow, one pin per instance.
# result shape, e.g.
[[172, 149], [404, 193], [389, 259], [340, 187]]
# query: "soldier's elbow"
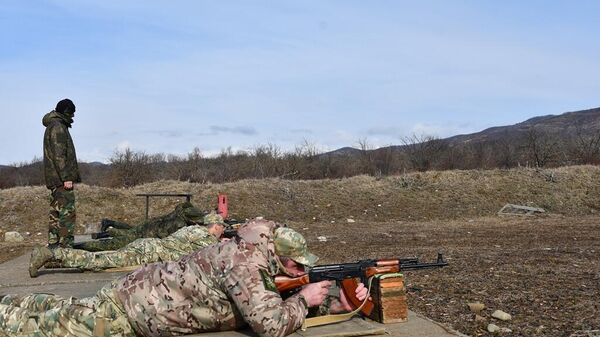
[[275, 329]]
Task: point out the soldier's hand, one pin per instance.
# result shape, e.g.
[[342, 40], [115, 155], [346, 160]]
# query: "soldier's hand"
[[68, 185], [360, 293], [314, 293]]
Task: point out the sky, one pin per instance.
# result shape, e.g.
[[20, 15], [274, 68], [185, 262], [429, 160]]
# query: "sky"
[[169, 76]]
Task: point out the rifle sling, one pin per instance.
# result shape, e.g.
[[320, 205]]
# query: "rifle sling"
[[328, 319]]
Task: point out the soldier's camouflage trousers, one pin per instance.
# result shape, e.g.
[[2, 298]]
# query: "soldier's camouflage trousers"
[[136, 253], [113, 243], [62, 217], [45, 315], [119, 239]]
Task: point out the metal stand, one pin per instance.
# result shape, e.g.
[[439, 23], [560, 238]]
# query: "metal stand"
[[187, 196]]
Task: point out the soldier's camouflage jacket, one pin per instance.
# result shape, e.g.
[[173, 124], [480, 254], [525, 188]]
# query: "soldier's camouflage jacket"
[[60, 161], [221, 287]]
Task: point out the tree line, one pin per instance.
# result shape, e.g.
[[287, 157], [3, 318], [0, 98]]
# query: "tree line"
[[532, 148]]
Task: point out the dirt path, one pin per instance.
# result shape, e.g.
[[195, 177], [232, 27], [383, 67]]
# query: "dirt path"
[[9, 251]]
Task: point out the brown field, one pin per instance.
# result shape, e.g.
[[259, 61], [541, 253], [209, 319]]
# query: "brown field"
[[543, 270]]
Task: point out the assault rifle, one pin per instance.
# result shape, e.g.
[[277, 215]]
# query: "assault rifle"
[[231, 229], [347, 273]]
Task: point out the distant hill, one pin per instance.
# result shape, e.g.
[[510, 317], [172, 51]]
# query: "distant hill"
[[344, 151], [567, 124], [97, 164], [586, 122], [571, 138]]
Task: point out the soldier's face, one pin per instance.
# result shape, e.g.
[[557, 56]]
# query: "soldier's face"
[[70, 111], [294, 268], [216, 230]]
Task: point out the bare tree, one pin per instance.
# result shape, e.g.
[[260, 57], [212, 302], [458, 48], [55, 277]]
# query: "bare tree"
[[131, 168], [386, 160], [303, 162], [423, 151], [307, 149], [453, 157], [587, 147], [480, 155], [367, 160], [505, 152], [24, 173], [542, 148], [188, 168], [265, 160]]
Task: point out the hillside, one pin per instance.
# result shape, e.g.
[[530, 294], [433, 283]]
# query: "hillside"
[[571, 138], [562, 126], [416, 196]]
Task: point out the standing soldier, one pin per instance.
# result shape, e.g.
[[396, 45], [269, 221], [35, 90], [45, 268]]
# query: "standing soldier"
[[61, 172]]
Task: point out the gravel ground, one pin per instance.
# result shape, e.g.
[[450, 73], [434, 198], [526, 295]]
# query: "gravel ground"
[[544, 271]]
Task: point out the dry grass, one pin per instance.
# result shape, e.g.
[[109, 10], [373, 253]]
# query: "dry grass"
[[544, 270], [417, 196]]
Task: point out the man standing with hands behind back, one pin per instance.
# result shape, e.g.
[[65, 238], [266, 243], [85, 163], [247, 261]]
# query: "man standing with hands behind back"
[[61, 173]]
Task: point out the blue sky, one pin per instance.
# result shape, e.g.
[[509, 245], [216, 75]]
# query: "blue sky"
[[168, 76]]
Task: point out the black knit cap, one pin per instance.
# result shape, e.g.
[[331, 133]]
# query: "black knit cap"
[[65, 106]]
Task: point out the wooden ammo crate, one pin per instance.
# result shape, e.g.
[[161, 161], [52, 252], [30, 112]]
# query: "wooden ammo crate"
[[389, 297]]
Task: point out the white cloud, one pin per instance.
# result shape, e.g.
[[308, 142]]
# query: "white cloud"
[[276, 73]]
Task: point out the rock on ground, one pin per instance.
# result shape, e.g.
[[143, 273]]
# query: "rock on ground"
[[501, 315], [13, 237]]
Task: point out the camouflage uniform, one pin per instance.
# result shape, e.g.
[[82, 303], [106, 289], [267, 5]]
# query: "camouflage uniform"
[[140, 251], [184, 214], [222, 287], [60, 165], [43, 315]]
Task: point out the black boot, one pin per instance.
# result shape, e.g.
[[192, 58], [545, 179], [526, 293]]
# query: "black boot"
[[105, 223]]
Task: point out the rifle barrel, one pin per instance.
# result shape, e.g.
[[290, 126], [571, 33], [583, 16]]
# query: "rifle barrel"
[[413, 263]]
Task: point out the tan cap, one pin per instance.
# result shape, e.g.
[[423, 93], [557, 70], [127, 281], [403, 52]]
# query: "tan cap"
[[291, 244], [213, 218]]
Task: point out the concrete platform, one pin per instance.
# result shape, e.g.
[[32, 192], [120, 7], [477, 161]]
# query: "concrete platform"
[[14, 279]]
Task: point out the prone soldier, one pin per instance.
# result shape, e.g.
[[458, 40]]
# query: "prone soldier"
[[222, 287], [184, 241], [184, 214]]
